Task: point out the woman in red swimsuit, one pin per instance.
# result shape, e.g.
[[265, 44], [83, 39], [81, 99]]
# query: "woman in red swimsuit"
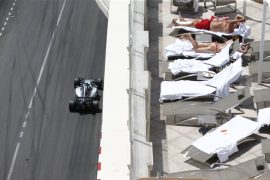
[[213, 24]]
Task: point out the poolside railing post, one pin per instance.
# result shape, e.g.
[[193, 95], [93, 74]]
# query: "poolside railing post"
[[262, 43]]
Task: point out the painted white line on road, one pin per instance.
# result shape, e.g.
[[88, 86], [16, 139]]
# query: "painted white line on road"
[[13, 161], [5, 23], [61, 12], [13, 4], [3, 28], [45, 59], [27, 115], [11, 8], [7, 18], [24, 124], [21, 134], [9, 13], [35, 89]]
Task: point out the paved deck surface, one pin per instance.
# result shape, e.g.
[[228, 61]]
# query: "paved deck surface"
[[170, 140]]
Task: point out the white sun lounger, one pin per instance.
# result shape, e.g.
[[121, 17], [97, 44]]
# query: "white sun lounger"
[[175, 90], [184, 48], [193, 66], [223, 140]]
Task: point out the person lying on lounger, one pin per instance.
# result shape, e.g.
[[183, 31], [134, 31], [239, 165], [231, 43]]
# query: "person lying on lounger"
[[213, 47], [214, 24]]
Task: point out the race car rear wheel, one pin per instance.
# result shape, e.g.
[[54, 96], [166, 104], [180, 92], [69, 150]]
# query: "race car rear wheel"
[[95, 105], [72, 106]]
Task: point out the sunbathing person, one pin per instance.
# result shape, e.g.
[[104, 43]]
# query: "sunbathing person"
[[214, 24], [212, 47]]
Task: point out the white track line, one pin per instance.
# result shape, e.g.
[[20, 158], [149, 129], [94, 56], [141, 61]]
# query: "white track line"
[[24, 124], [35, 89], [11, 9], [45, 60], [26, 115], [13, 161], [21, 134]]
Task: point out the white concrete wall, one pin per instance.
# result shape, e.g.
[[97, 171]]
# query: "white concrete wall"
[[115, 141], [125, 151]]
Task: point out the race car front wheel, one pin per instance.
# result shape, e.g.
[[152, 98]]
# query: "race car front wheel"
[[72, 106], [77, 82], [99, 83]]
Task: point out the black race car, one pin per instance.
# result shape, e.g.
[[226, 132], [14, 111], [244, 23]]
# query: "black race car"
[[86, 96]]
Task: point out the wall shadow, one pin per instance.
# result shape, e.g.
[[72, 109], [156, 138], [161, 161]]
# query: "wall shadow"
[[157, 126]]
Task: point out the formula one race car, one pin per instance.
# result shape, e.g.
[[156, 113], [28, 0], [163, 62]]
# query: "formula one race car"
[[86, 96]]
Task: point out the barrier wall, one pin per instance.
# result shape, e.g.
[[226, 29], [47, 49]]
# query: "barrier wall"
[[114, 155], [139, 91], [125, 152]]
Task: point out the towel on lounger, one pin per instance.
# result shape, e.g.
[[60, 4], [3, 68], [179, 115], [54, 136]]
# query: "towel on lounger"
[[193, 66], [185, 48]]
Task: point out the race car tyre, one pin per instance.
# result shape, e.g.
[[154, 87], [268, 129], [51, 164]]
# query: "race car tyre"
[[97, 97], [77, 82], [99, 83], [95, 105], [72, 106]]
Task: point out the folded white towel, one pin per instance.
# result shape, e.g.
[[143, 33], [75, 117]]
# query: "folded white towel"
[[185, 48], [223, 79], [264, 116], [243, 31], [188, 66]]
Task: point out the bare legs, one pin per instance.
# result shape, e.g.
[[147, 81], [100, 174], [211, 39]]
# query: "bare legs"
[[203, 47], [185, 22]]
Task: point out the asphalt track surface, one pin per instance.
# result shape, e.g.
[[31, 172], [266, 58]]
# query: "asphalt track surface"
[[39, 138]]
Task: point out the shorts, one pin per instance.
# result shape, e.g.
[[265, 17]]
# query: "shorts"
[[204, 23]]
